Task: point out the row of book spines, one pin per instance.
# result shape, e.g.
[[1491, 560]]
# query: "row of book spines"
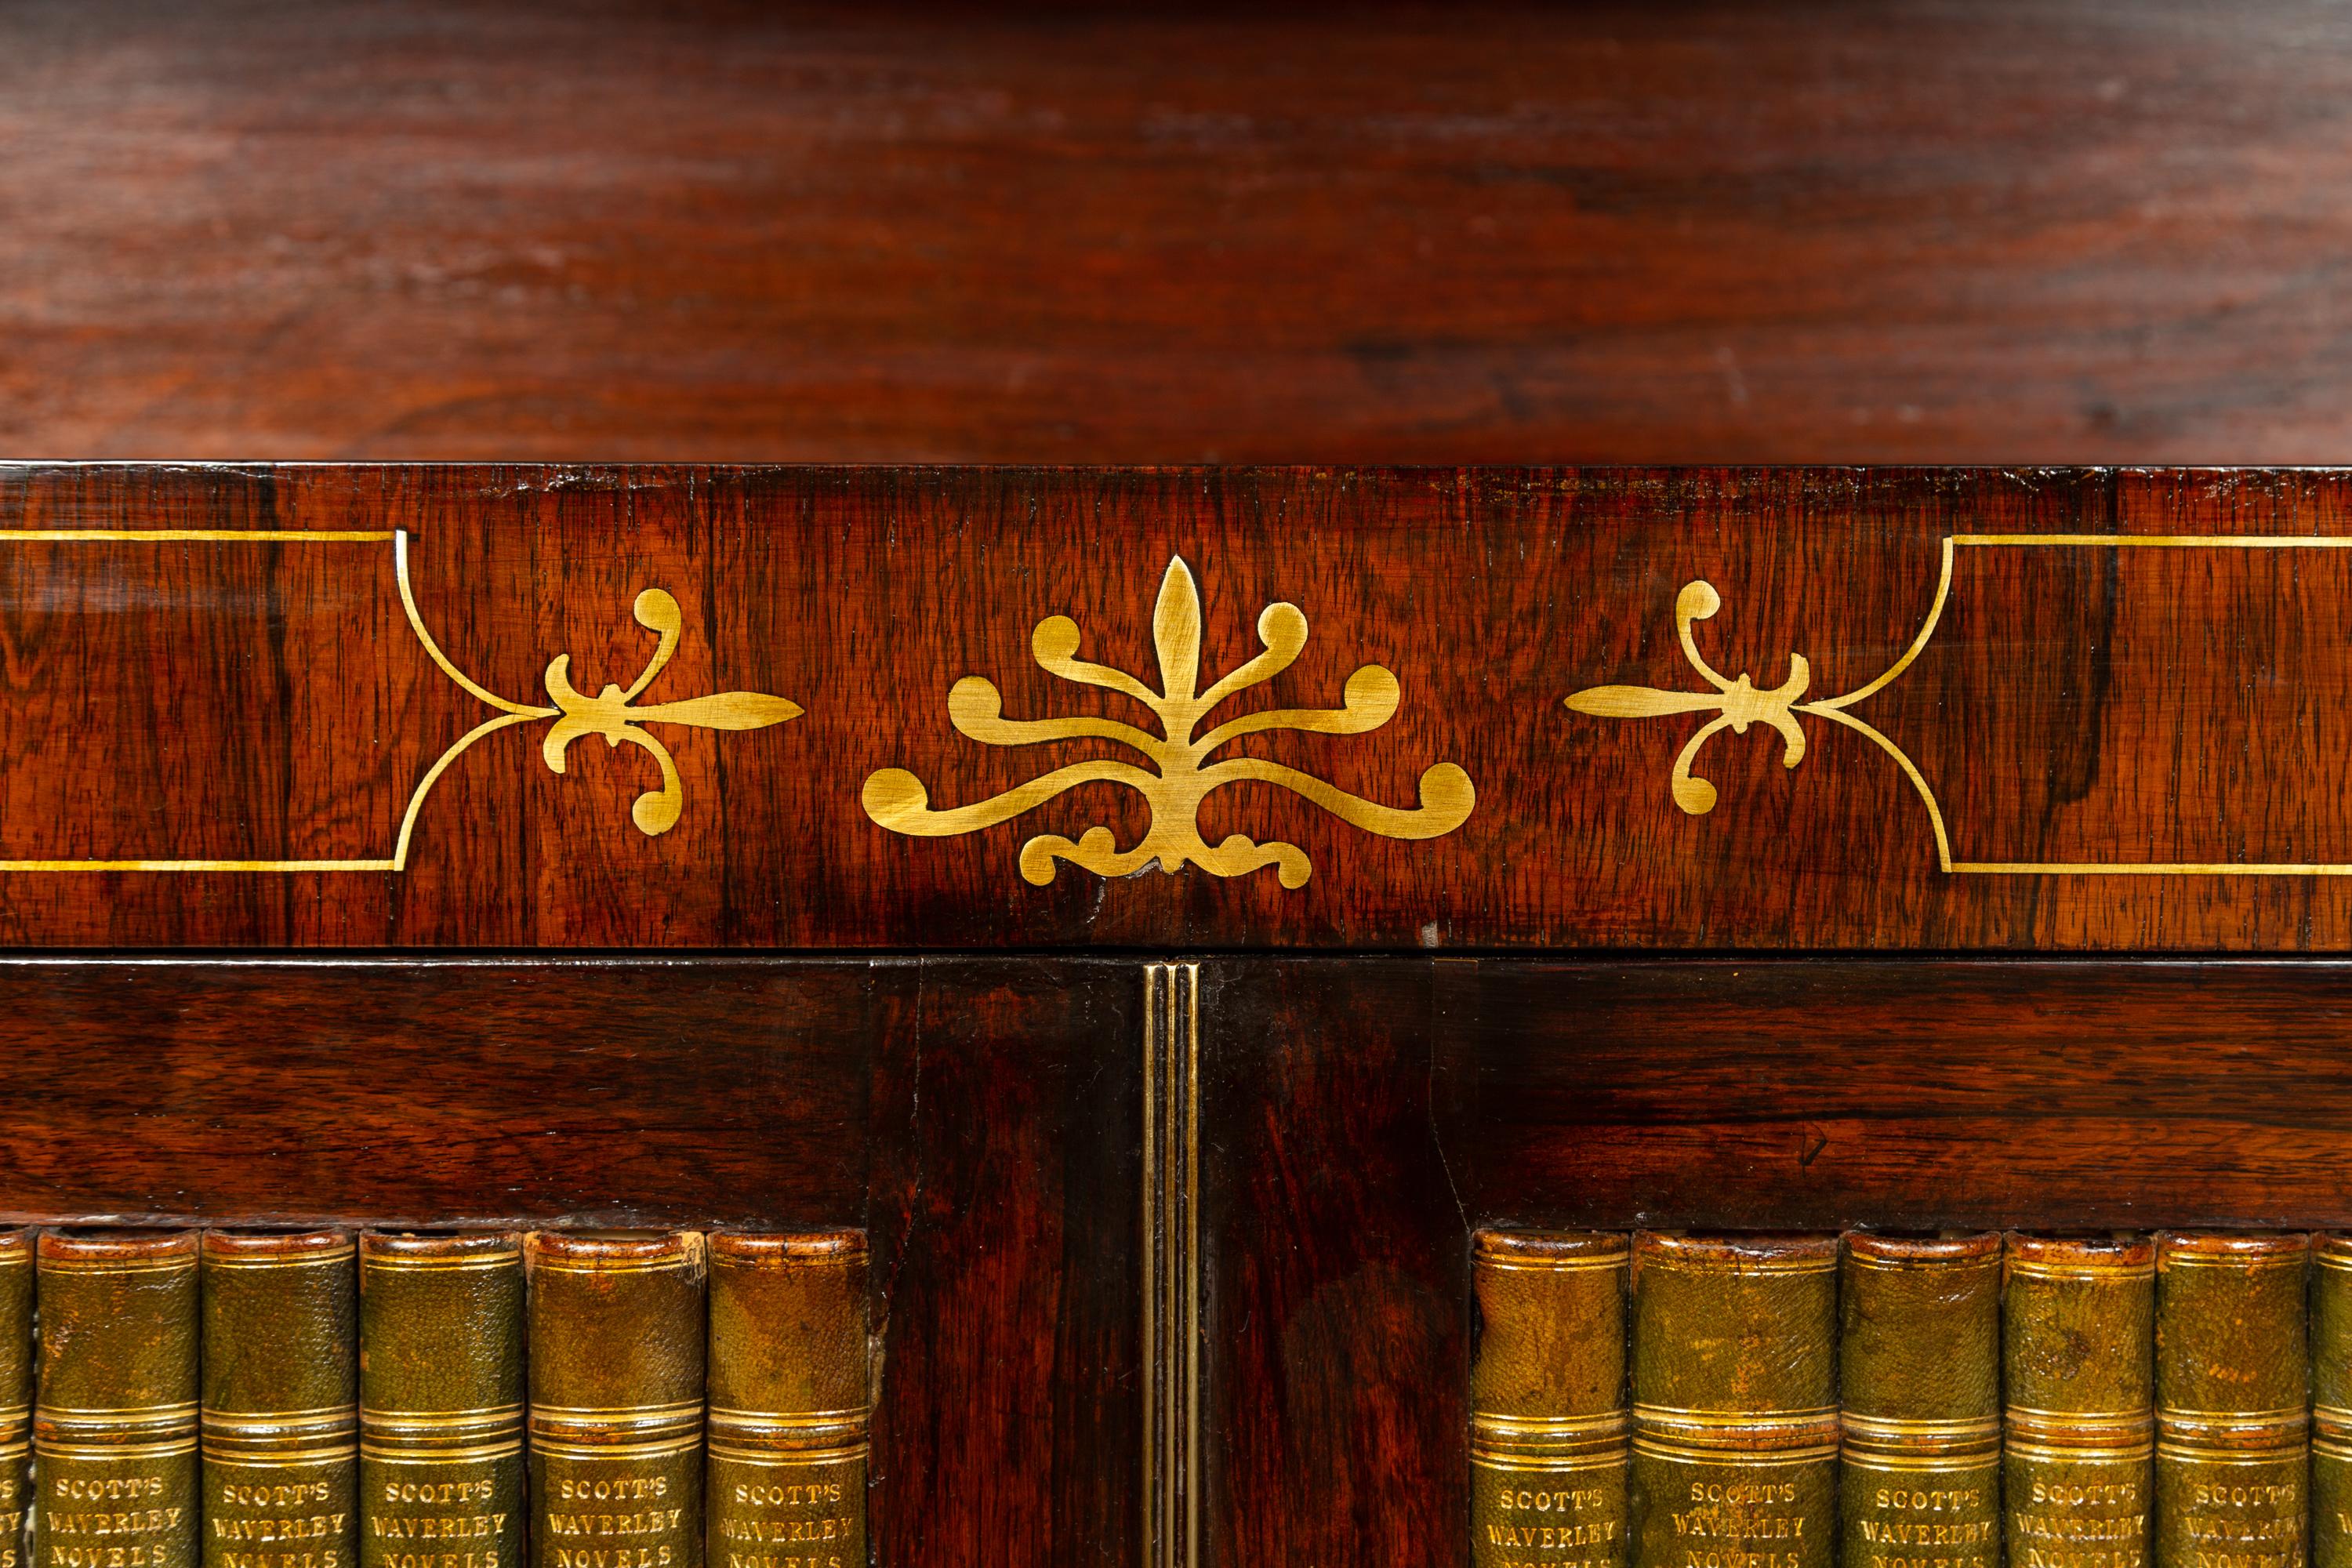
[[1644, 1399], [368, 1397]]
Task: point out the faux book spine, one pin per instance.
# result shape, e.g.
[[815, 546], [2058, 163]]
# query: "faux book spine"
[[280, 1421], [441, 1400], [1549, 1432], [114, 1421], [2331, 1396], [787, 1451], [15, 1390], [1919, 1356], [616, 1344], [1735, 1401], [2078, 1332], [2232, 1401]]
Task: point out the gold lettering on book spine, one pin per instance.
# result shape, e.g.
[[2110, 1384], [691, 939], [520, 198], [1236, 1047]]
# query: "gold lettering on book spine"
[[1180, 775]]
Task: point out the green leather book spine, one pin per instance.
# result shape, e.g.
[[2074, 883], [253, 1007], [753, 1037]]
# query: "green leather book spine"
[[2232, 1401], [615, 1360], [16, 1391], [1919, 1359], [788, 1401], [280, 1418], [2331, 1402], [115, 1419], [441, 1400], [1551, 1436], [2078, 1356], [1735, 1401]]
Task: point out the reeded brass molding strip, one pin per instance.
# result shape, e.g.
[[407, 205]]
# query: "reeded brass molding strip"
[[1171, 1265], [1738, 704]]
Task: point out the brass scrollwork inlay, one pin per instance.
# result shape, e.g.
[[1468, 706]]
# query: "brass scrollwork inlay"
[[1180, 774], [1738, 704], [609, 713]]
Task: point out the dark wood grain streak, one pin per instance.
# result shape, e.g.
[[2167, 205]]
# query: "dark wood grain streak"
[[2077, 704], [1333, 1327], [2056, 230], [1821, 1094]]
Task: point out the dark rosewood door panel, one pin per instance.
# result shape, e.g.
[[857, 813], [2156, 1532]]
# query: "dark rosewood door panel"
[[1363, 1116], [977, 1117]]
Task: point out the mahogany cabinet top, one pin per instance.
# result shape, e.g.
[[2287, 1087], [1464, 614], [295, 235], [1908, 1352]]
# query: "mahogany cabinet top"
[[1024, 231], [1483, 708]]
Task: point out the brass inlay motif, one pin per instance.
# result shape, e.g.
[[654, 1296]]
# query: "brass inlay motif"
[[609, 713], [1738, 705], [1180, 775]]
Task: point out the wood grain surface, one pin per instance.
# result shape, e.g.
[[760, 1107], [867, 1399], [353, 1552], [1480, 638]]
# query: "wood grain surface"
[[975, 1117], [1366, 1115], [2122, 746], [1359, 1117], [2051, 230]]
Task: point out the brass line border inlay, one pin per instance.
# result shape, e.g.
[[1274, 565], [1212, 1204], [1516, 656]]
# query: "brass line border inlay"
[[1737, 704], [610, 714], [1171, 1265]]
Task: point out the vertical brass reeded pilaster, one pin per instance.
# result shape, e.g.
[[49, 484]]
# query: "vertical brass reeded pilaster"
[[1171, 1265]]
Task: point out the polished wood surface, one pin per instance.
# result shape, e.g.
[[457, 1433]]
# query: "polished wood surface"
[[2053, 230], [974, 1117], [2051, 737], [1357, 1119], [1367, 1115]]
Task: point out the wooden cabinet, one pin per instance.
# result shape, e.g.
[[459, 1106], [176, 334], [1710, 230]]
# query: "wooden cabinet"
[[769, 846]]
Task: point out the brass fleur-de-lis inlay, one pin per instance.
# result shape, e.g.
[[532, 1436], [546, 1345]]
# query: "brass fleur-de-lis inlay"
[[610, 714], [1737, 703], [1180, 774]]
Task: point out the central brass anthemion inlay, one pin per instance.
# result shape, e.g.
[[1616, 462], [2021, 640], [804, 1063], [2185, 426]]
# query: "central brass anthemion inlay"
[[1180, 775]]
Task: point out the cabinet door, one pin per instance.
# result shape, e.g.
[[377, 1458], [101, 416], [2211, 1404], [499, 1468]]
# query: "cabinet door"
[[1360, 1118], [978, 1118]]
